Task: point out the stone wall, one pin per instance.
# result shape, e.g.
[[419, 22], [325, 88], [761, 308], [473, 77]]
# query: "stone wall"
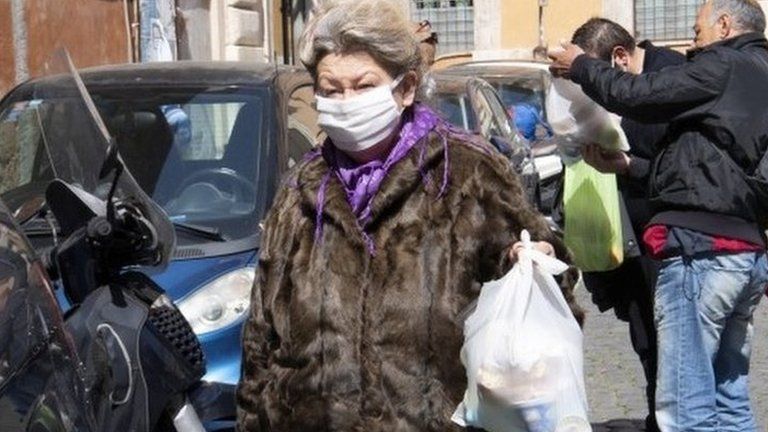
[[238, 30]]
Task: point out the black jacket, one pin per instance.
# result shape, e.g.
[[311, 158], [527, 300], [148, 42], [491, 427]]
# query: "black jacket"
[[717, 106], [636, 276], [643, 139]]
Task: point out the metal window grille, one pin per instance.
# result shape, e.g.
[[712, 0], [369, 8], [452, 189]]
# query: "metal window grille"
[[665, 19], [453, 20]]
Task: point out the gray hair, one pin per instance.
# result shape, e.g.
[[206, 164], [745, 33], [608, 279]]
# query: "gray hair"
[[375, 27], [747, 15]]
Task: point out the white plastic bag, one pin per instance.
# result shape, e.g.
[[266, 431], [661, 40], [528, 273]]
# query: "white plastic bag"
[[523, 353], [159, 47], [579, 120]]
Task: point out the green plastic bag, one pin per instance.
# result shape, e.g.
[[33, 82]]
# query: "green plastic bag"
[[592, 218]]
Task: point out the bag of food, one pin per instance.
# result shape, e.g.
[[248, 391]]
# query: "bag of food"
[[578, 120], [523, 353], [592, 218]]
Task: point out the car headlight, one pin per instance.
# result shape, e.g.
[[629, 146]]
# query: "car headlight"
[[220, 302]]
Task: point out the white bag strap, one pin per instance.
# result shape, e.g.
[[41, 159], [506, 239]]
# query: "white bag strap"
[[545, 262], [533, 262]]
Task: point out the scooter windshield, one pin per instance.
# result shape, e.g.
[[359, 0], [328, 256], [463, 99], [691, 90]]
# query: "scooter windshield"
[[75, 146]]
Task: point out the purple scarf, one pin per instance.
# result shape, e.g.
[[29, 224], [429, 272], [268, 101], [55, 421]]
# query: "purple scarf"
[[361, 182]]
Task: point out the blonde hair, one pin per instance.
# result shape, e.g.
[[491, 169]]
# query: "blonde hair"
[[376, 27]]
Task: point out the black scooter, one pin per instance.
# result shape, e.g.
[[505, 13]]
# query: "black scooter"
[[135, 356], [140, 354]]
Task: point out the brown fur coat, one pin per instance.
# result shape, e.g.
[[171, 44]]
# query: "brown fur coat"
[[339, 340]]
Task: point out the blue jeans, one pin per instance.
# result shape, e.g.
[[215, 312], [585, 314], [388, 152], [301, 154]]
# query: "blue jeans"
[[703, 313]]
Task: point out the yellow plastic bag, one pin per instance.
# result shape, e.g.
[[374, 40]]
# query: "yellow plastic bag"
[[592, 218]]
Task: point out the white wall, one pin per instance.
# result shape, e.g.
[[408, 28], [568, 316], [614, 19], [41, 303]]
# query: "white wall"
[[487, 25], [764, 5], [622, 12]]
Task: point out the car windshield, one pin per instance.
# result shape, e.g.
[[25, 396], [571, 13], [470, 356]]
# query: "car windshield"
[[204, 155]]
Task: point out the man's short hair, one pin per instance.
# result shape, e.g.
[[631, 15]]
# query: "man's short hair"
[[747, 15], [599, 36]]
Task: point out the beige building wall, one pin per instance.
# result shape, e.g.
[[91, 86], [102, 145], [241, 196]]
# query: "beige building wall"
[[519, 24], [560, 18], [510, 28]]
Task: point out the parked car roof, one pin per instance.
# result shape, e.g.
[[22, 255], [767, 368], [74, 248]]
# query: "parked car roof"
[[180, 74], [529, 64], [529, 75]]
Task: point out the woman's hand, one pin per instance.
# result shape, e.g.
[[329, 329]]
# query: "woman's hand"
[[541, 246]]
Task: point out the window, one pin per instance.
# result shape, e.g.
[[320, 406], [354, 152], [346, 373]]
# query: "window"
[[452, 20], [456, 109], [665, 19], [213, 123], [20, 136]]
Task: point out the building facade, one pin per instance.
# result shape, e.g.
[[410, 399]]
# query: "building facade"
[[223, 29], [514, 28], [268, 30]]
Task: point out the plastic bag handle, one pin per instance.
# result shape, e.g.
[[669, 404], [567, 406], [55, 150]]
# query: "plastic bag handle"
[[545, 262], [533, 261]]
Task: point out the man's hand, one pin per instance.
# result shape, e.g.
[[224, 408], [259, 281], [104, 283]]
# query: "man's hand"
[[563, 58], [611, 162]]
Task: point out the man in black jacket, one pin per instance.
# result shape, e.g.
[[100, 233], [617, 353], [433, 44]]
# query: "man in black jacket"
[[708, 222], [628, 289]]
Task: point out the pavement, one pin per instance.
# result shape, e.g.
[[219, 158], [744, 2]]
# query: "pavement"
[[614, 378]]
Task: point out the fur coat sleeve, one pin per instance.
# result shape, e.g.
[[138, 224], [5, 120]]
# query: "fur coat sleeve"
[[495, 188]]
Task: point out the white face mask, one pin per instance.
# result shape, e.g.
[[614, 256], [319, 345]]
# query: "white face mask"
[[360, 122]]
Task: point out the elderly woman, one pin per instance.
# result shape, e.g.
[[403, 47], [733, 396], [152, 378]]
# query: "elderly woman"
[[376, 245]]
